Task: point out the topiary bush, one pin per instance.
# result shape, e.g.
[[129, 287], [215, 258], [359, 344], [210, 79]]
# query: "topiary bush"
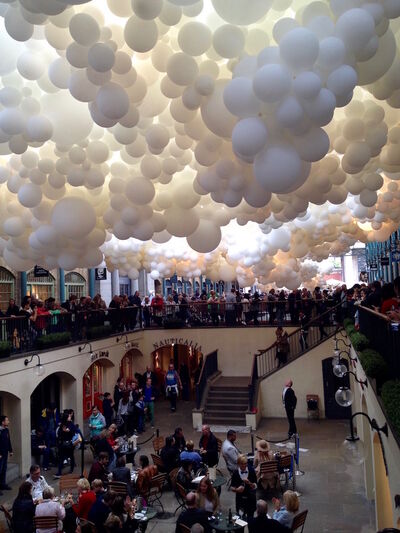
[[5, 349], [374, 365], [391, 401], [348, 322], [98, 332], [53, 339], [350, 329], [359, 341]]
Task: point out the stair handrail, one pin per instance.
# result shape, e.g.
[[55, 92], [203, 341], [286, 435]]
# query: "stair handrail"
[[209, 367], [257, 372]]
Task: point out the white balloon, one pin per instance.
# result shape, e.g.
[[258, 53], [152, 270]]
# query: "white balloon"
[[30, 195], [332, 53], [140, 35], [84, 29], [241, 12], [313, 145], [356, 27], [140, 190], [277, 168], [307, 85], [101, 57], [299, 48], [112, 101], [30, 66], [249, 136], [147, 10], [240, 99], [206, 237], [73, 217], [228, 41], [182, 69], [271, 83], [342, 80], [194, 38]]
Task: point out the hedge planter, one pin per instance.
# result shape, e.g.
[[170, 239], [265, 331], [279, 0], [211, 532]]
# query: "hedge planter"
[[98, 332], [374, 365], [174, 323], [391, 401], [359, 341], [5, 349], [52, 340]]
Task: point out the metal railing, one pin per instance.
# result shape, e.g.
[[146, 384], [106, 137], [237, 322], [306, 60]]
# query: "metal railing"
[[210, 367], [383, 336], [21, 333], [265, 362]]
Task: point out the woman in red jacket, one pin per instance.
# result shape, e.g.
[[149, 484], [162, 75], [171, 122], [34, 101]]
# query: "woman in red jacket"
[[86, 499]]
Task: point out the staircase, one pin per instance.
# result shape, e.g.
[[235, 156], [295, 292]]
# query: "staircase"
[[227, 402]]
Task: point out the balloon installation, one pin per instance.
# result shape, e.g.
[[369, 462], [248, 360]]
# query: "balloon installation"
[[233, 139]]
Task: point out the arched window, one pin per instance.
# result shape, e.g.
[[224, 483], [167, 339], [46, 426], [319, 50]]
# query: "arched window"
[[41, 288], [7, 287], [74, 284]]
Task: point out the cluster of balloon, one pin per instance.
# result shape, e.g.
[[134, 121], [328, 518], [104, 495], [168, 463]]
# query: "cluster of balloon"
[[234, 139]]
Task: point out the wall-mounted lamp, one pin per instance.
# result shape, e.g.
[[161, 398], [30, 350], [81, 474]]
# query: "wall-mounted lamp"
[[342, 341], [344, 396], [341, 371], [127, 343], [374, 425], [81, 348], [337, 354], [38, 369]]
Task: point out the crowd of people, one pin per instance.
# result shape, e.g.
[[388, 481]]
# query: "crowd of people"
[[98, 509]]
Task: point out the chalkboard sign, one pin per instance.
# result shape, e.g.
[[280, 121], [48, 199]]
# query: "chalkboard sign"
[[40, 272]]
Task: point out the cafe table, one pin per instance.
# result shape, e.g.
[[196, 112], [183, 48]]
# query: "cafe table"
[[148, 513], [220, 523]]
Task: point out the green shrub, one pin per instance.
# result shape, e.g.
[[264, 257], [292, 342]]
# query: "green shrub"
[[5, 349], [174, 323], [358, 340], [374, 365], [350, 329], [391, 401], [53, 339], [98, 332], [348, 322]]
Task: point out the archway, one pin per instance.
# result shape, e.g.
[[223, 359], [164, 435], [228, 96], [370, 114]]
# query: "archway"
[[40, 287], [95, 382], [383, 501], [129, 366], [10, 405], [58, 390], [187, 361], [75, 283]]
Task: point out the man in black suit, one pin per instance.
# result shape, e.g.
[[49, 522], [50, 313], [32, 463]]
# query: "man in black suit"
[[192, 515], [290, 401], [149, 374], [208, 446], [262, 524]]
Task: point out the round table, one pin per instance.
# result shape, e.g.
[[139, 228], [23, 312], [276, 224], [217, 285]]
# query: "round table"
[[221, 524], [150, 514], [218, 482]]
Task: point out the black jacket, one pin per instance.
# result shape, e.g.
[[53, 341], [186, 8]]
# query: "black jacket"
[[5, 442], [237, 480], [290, 399], [212, 449], [193, 516], [263, 524], [23, 513]]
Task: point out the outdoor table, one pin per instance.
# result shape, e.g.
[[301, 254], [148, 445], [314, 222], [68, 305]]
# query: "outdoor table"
[[220, 523], [143, 517]]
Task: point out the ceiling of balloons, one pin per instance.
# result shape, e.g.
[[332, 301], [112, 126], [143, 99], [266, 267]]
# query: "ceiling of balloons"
[[231, 138]]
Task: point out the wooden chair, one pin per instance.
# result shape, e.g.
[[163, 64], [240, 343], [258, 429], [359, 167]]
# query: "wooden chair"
[[298, 522], [271, 467], [8, 517], [45, 522], [158, 443], [119, 487], [180, 494], [157, 461], [285, 466], [155, 490], [172, 477], [312, 406], [68, 484], [184, 529]]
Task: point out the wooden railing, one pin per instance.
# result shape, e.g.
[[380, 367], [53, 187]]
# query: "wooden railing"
[[210, 367], [300, 341]]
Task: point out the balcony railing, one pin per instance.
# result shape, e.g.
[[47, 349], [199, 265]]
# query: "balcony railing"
[[300, 341], [383, 336], [20, 334], [210, 367]]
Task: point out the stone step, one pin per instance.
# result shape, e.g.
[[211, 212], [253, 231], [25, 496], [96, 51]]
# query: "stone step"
[[220, 420], [238, 403], [13, 472], [224, 413], [233, 392]]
